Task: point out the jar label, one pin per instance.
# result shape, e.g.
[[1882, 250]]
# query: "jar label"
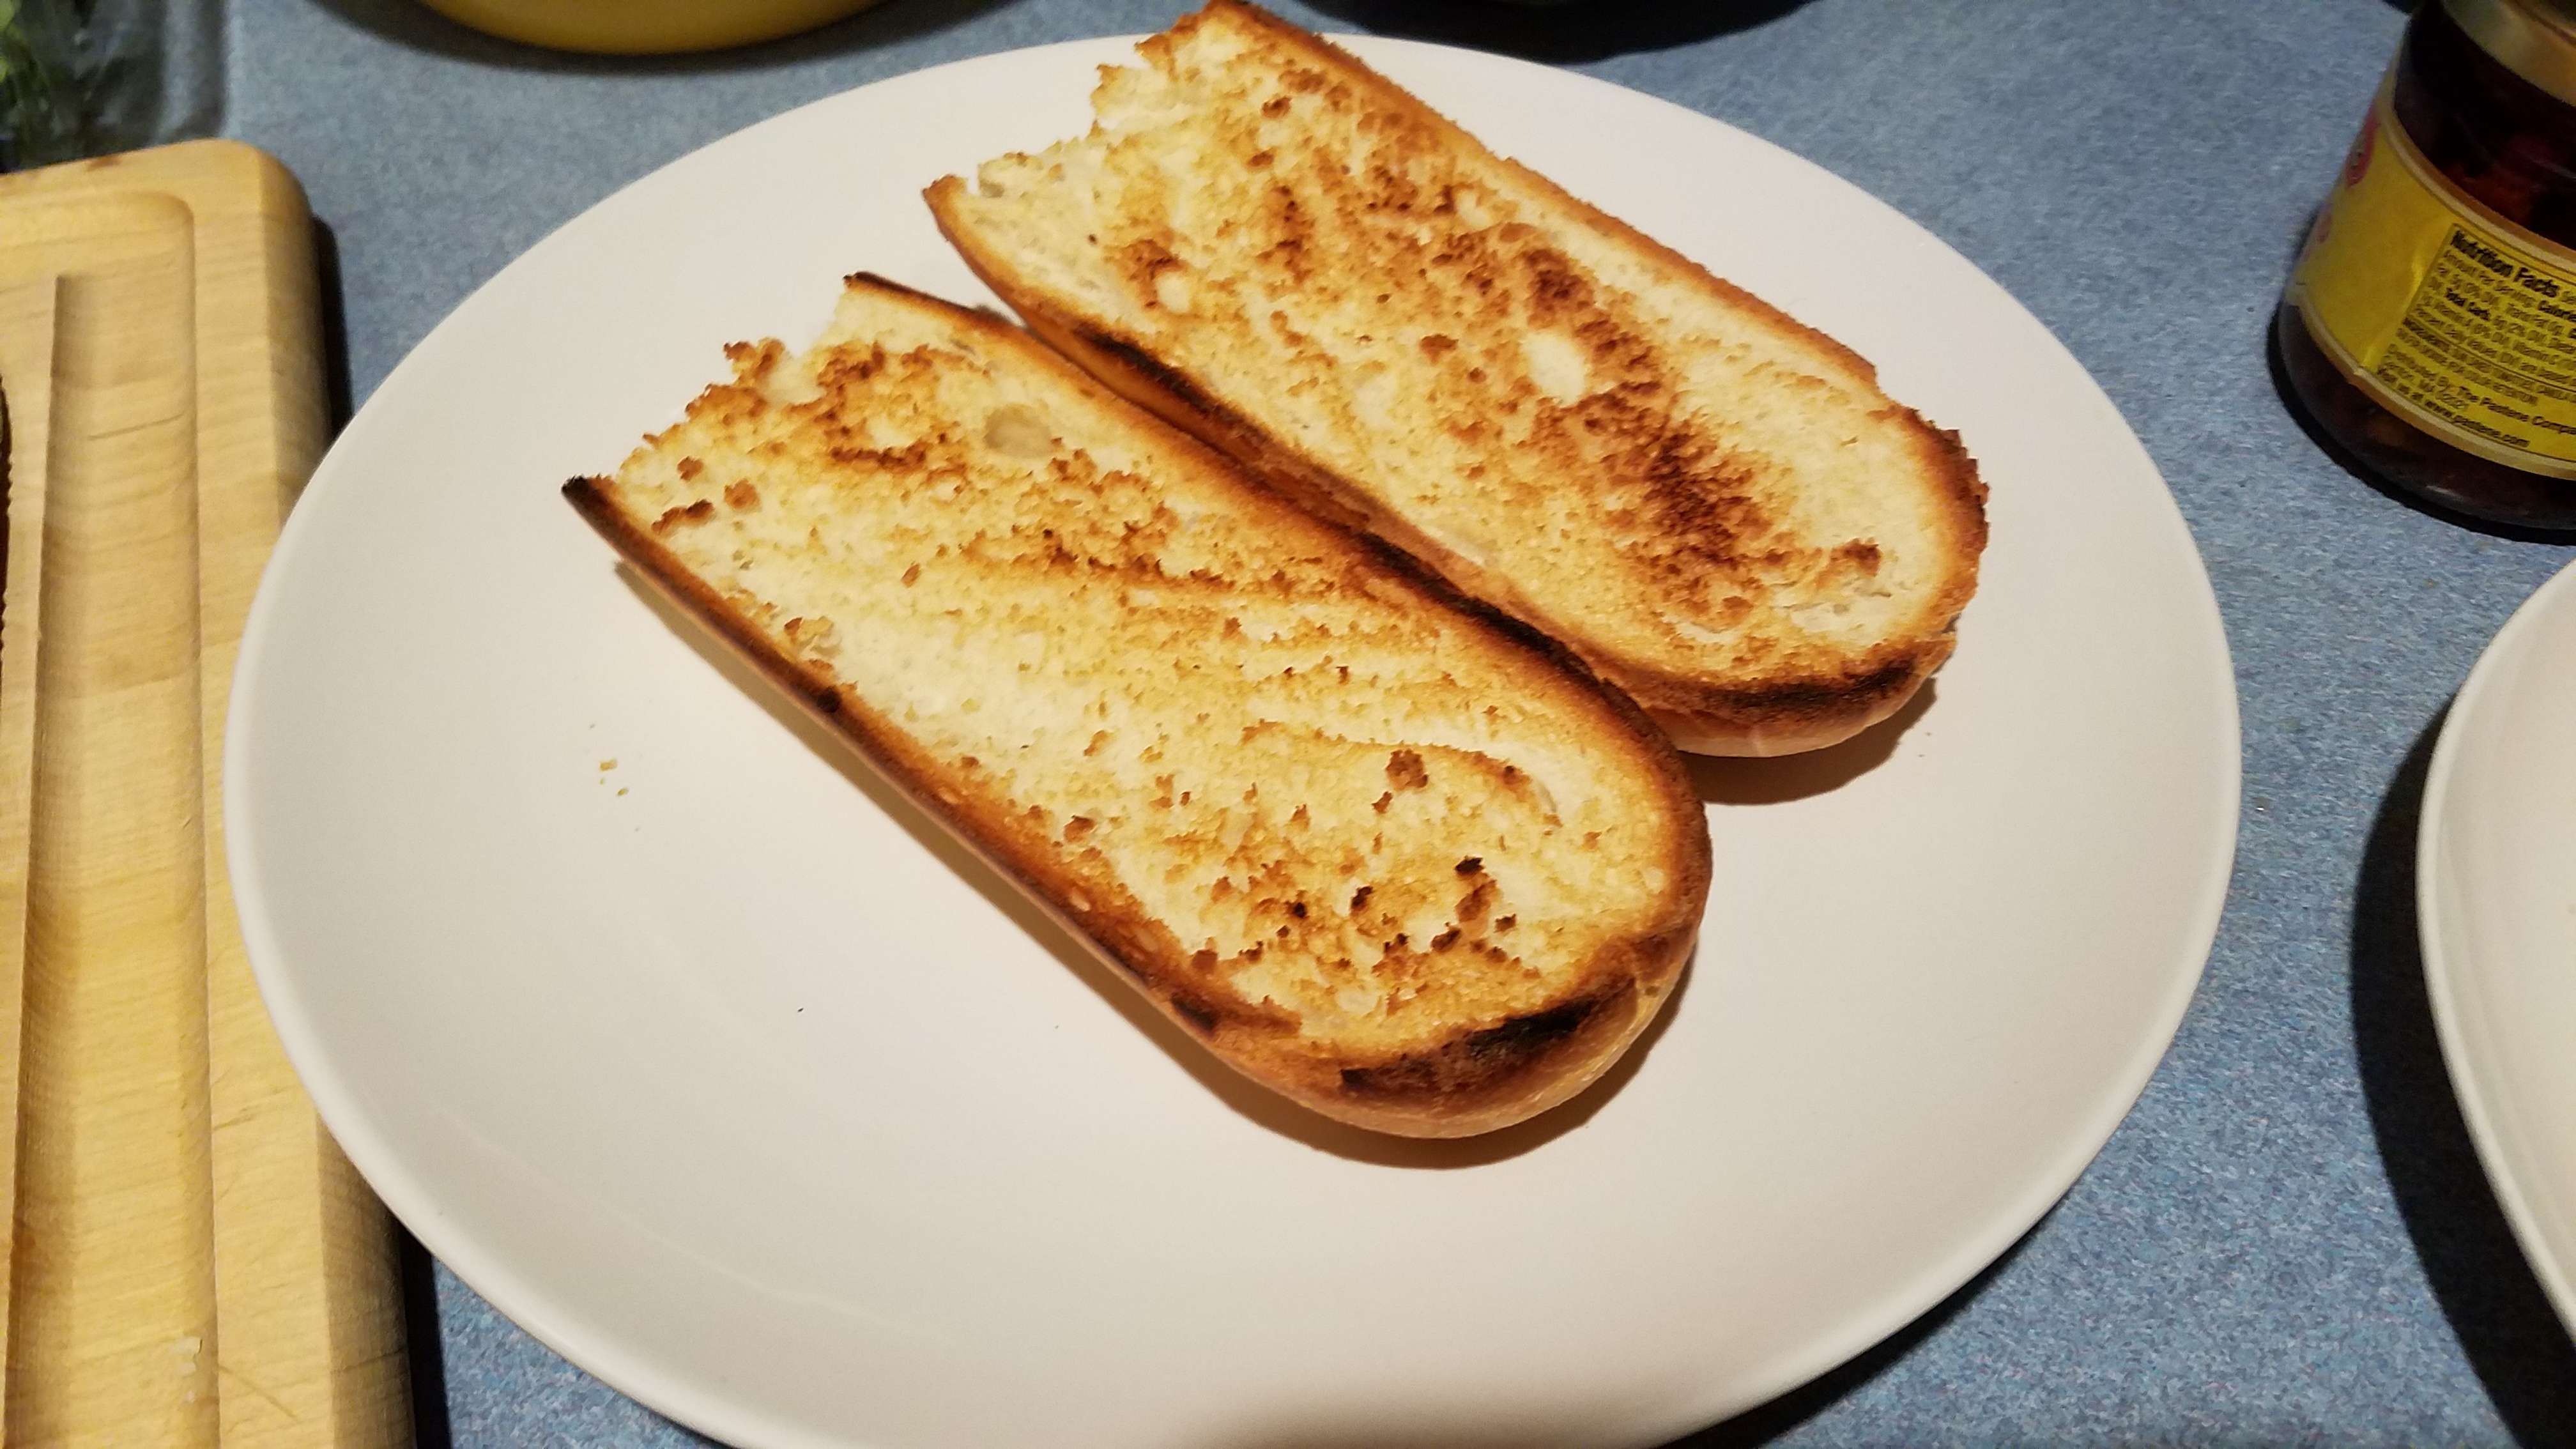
[[2442, 311]]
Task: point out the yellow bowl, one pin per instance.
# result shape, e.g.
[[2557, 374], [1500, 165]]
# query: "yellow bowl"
[[644, 27]]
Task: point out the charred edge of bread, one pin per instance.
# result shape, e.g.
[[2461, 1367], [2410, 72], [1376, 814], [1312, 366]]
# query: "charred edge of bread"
[[1514, 1069], [1482, 1079], [1789, 714], [1485, 1078]]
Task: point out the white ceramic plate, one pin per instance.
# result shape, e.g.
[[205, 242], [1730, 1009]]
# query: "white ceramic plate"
[[2495, 881], [721, 1075]]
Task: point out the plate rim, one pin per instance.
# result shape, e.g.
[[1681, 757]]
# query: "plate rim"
[[2447, 980]]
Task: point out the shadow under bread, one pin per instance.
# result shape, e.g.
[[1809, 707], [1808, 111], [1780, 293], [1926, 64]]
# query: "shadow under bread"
[[1751, 780], [1246, 1097]]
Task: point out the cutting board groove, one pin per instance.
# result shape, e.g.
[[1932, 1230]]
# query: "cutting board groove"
[[194, 1264]]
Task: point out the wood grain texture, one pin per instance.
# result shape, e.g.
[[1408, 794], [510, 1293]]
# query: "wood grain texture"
[[304, 1341], [112, 1315], [26, 402]]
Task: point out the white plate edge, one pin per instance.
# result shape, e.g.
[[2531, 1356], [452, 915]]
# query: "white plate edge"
[[2481, 1106]]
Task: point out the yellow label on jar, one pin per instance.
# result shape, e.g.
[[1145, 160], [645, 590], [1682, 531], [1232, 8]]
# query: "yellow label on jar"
[[2442, 311]]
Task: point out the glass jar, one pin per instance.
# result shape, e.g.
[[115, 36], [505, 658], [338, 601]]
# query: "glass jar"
[[2430, 326]]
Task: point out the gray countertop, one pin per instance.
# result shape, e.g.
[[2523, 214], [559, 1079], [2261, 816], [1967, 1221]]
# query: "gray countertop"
[[2289, 1240]]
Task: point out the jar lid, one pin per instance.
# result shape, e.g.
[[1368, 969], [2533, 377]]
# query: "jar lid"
[[2535, 39]]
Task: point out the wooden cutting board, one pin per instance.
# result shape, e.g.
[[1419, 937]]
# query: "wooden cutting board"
[[194, 1263]]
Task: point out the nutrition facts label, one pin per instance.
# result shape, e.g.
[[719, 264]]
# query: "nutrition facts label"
[[2488, 345]]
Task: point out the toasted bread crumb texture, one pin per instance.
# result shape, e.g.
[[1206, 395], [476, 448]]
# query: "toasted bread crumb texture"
[[1317, 815], [1571, 421]]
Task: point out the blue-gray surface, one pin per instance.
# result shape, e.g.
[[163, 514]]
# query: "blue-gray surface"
[[2288, 1242]]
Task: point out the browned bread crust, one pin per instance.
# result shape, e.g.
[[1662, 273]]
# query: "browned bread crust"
[[1342, 290], [1382, 851]]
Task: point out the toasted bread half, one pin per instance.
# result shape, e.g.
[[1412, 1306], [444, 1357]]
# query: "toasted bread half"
[[1274, 247], [1381, 850]]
